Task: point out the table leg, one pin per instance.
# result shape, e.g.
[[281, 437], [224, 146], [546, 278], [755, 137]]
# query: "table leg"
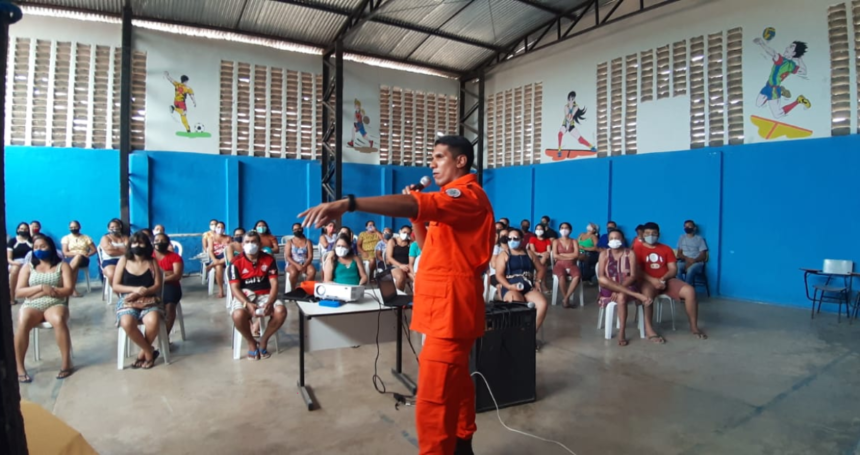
[[398, 370], [301, 384]]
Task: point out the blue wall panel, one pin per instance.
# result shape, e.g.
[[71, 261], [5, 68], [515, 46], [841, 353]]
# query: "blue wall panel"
[[510, 191], [572, 191], [787, 205]]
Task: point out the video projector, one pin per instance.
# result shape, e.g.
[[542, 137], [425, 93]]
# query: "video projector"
[[341, 292]]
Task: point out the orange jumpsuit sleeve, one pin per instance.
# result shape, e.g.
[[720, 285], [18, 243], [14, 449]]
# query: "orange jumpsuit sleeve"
[[445, 208]]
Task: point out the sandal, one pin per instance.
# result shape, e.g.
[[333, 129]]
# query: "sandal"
[[265, 354], [700, 335], [24, 378], [138, 363], [254, 355], [622, 342], [63, 374], [150, 363], [656, 339]]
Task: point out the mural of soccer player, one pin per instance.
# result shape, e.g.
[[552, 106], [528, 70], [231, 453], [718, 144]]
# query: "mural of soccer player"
[[359, 122], [573, 114], [785, 64], [181, 91]]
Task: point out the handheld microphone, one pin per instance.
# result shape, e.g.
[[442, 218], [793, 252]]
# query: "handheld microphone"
[[425, 182]]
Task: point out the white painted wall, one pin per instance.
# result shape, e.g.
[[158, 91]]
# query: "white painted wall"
[[663, 125], [53, 28]]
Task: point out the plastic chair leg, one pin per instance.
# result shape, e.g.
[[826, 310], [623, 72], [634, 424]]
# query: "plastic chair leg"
[[87, 276], [581, 291], [554, 289], [640, 312], [163, 342], [610, 315], [36, 353], [121, 348], [180, 320], [600, 318]]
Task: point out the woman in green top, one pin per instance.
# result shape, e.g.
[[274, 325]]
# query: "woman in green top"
[[588, 251], [343, 267]]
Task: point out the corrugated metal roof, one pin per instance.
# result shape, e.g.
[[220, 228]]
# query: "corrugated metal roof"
[[291, 22], [382, 39], [422, 12], [450, 54], [496, 21], [101, 6], [209, 13]]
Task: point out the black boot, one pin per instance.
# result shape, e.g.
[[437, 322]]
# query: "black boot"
[[464, 447]]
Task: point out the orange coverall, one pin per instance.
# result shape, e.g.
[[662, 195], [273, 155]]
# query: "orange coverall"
[[448, 307]]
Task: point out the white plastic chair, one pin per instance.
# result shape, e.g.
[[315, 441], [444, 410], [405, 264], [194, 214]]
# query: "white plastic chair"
[[607, 315], [107, 290], [555, 283], [237, 338], [123, 347], [658, 308], [204, 259], [177, 247], [179, 322], [36, 348]]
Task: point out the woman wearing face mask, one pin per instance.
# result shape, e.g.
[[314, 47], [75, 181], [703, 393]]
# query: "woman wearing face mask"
[[343, 267], [171, 264], [299, 256], [367, 242], [16, 250], [397, 254], [617, 274], [328, 237], [208, 235], [113, 246], [77, 249], [35, 228], [539, 246], [234, 248], [217, 248], [159, 229], [565, 250], [381, 246], [46, 283], [268, 242], [501, 245], [138, 280], [514, 272], [588, 251]]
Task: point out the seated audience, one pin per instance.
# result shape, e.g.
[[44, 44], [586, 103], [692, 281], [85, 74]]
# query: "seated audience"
[[268, 242], [207, 235], [344, 267], [566, 252], [16, 250], [506, 222], [397, 255], [367, 242], [499, 227], [618, 275], [692, 251], [640, 232], [77, 249], [525, 225], [515, 272], [147, 232], [172, 265], [659, 264], [414, 255], [501, 244], [46, 284], [299, 256], [254, 282], [348, 232], [540, 246], [138, 280], [159, 229], [113, 245], [603, 242], [548, 231], [218, 242], [381, 246], [588, 252], [35, 228], [328, 237], [234, 248]]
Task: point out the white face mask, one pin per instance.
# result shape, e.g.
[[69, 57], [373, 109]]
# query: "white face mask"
[[650, 239], [614, 244], [404, 236], [211, 227], [589, 228], [538, 233], [565, 232], [219, 231], [157, 232], [341, 251], [250, 248]]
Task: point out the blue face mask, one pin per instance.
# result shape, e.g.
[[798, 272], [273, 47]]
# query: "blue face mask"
[[261, 229], [514, 244], [41, 254]]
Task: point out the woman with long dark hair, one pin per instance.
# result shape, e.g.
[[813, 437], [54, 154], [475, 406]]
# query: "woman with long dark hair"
[[46, 283], [16, 250]]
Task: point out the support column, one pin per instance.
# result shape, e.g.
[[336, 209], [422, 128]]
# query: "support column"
[[332, 105], [472, 119], [125, 116], [12, 437]]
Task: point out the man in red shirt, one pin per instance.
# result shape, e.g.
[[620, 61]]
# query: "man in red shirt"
[[660, 266], [448, 305], [254, 283]]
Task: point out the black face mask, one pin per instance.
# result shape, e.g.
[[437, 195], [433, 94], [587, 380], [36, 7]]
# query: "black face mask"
[[24, 233], [145, 251], [688, 230], [387, 236], [237, 238], [503, 240], [161, 247], [75, 231], [299, 234]]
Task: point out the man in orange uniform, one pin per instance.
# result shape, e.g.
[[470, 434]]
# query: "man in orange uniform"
[[448, 303]]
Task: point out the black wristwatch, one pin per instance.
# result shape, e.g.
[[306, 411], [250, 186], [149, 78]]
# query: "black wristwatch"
[[351, 206]]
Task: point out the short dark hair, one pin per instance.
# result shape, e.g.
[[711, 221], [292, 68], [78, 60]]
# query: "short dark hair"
[[348, 244], [800, 48], [611, 222], [640, 228], [117, 221], [254, 234], [139, 237], [53, 258], [183, 78], [458, 145], [163, 235], [691, 222], [563, 224], [36, 222], [652, 226], [368, 222], [517, 231]]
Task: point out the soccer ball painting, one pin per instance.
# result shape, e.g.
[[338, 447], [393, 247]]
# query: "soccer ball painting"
[[768, 33], [199, 128]]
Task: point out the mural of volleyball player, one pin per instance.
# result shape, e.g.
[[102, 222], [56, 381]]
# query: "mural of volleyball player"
[[358, 125], [181, 91], [785, 64], [573, 114]]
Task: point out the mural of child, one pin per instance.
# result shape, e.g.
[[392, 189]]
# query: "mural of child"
[[361, 119], [573, 114], [785, 64]]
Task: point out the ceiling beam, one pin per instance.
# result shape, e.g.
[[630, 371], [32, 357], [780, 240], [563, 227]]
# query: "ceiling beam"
[[465, 5], [548, 9]]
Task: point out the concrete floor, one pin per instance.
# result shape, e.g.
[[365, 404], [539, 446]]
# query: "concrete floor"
[[768, 381]]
